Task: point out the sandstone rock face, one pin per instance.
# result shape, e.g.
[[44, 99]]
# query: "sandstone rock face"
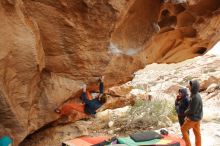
[[188, 28], [56, 135], [49, 48]]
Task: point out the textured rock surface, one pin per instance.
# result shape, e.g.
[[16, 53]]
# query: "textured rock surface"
[[56, 135], [186, 30], [49, 48]]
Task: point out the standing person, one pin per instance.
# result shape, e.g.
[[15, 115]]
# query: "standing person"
[[181, 104], [194, 114]]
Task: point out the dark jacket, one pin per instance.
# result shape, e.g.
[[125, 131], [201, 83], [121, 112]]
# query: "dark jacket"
[[182, 103], [195, 110]]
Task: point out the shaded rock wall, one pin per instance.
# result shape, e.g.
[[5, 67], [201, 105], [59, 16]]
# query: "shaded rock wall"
[[49, 48]]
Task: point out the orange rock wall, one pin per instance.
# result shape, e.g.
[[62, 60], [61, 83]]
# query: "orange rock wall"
[[49, 48], [186, 30]]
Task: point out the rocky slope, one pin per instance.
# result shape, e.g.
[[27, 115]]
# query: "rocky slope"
[[49, 48], [162, 81]]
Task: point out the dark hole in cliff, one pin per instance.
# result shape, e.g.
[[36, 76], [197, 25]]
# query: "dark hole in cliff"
[[201, 50], [168, 21], [165, 13]]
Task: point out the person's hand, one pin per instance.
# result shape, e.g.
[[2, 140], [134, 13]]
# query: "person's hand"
[[99, 96], [187, 119], [102, 78], [84, 87], [57, 110]]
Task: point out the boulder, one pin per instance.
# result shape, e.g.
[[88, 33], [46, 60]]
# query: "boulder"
[[211, 88], [210, 80]]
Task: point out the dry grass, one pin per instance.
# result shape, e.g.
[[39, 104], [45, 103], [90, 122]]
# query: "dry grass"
[[147, 115]]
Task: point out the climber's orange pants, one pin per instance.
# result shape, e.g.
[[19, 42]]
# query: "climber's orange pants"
[[195, 125]]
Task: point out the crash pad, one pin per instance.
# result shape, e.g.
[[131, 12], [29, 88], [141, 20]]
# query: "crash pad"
[[168, 140], [85, 141]]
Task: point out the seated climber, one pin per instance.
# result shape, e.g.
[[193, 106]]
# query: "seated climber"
[[92, 105], [89, 105]]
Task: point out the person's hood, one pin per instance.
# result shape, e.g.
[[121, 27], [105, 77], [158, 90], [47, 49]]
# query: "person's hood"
[[184, 92], [195, 86]]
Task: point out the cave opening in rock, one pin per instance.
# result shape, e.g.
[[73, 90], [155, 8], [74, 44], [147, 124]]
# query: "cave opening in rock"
[[201, 50], [168, 21], [165, 13]]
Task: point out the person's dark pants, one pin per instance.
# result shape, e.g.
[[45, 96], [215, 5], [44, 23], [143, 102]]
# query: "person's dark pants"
[[181, 120]]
